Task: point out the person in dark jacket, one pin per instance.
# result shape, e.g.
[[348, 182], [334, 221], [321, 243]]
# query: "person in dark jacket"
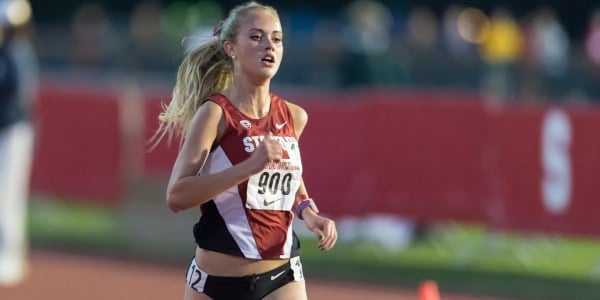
[[18, 86]]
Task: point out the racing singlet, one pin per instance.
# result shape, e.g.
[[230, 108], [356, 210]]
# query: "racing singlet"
[[254, 218]]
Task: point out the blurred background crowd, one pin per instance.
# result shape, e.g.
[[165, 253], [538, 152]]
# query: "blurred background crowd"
[[515, 50]]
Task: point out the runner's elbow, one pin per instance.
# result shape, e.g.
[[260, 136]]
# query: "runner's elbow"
[[174, 203]]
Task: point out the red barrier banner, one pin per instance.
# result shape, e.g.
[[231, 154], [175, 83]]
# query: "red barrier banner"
[[433, 157], [547, 166], [423, 155], [159, 160], [77, 146]]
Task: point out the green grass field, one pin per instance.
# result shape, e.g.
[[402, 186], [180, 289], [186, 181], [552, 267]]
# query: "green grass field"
[[461, 258]]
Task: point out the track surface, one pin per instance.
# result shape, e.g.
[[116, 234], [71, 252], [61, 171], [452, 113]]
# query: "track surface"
[[55, 276]]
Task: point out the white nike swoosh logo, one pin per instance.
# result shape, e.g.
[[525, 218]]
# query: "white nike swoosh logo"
[[273, 277], [279, 126]]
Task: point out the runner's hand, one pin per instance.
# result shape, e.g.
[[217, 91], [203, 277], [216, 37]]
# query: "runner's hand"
[[323, 228], [268, 151]]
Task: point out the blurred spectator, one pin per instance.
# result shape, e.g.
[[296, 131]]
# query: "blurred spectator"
[[548, 52], [422, 29], [328, 50], [18, 87], [501, 50], [144, 23], [91, 37], [426, 62], [551, 43], [454, 43], [367, 40], [592, 50], [592, 40], [148, 40]]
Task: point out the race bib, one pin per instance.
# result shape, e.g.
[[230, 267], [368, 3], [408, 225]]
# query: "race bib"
[[272, 189]]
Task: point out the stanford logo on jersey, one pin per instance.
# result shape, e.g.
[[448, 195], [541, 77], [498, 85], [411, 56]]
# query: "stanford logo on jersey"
[[251, 142], [246, 124]]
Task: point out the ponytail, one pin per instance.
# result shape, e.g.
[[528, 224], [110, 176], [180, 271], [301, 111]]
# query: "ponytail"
[[204, 71]]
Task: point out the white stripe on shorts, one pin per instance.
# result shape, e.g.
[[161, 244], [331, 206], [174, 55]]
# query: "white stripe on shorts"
[[196, 278]]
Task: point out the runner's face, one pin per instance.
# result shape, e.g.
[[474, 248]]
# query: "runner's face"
[[259, 45]]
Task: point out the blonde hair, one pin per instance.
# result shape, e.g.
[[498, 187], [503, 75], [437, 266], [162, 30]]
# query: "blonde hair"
[[203, 72]]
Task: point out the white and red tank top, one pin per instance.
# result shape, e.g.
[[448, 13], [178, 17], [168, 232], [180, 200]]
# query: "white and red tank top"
[[254, 218]]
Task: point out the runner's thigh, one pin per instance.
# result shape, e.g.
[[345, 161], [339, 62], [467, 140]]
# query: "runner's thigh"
[[191, 294]]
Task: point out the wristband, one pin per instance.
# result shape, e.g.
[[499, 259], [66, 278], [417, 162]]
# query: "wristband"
[[297, 201], [304, 204]]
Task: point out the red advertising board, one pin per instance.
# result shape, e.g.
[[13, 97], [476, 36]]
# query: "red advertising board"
[[77, 146], [425, 155]]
